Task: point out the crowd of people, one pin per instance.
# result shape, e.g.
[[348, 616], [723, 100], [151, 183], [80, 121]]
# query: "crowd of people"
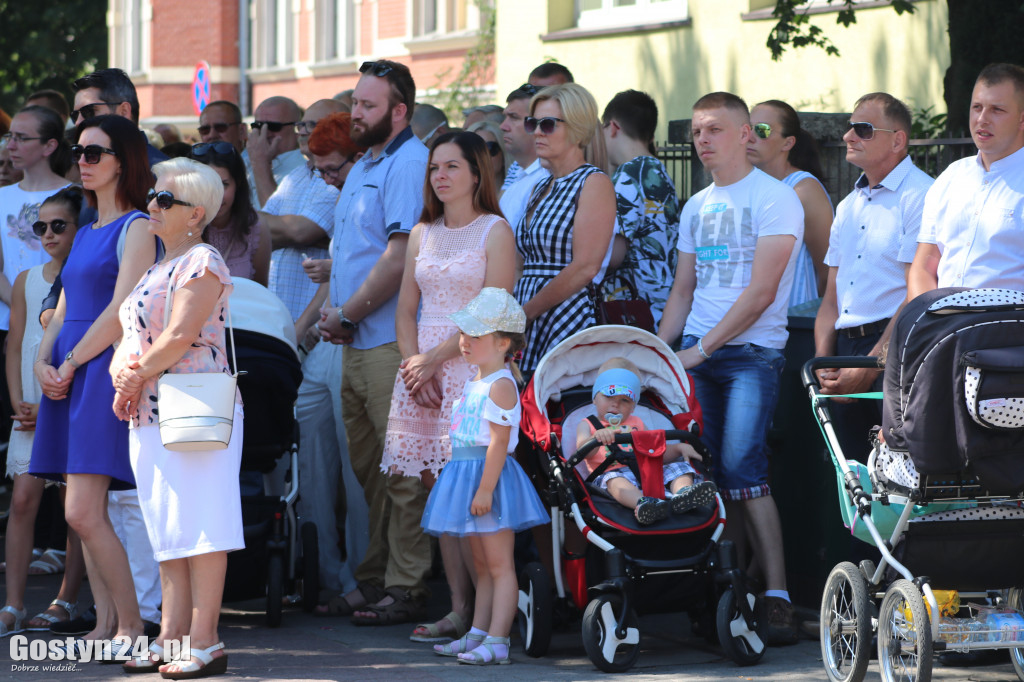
[[387, 234]]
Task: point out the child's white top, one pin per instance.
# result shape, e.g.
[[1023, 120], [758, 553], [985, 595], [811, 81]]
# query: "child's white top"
[[472, 412]]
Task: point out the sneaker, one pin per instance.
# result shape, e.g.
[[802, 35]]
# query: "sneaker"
[[694, 496], [651, 509], [781, 628], [82, 625]]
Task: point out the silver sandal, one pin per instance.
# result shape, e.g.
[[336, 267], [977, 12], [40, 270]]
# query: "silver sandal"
[[476, 656], [72, 610], [19, 617], [457, 647]]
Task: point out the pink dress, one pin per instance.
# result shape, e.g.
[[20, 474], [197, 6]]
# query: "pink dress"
[[450, 269], [237, 254]]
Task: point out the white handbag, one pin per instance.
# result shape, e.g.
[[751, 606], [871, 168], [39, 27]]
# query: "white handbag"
[[196, 410]]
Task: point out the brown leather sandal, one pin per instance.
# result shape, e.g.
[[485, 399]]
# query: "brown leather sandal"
[[339, 606], [404, 609]]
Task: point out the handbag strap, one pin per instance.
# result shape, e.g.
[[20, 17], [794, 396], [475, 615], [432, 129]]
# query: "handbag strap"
[[227, 304]]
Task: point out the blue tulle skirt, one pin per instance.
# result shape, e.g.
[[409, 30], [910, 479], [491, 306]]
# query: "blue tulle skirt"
[[515, 504]]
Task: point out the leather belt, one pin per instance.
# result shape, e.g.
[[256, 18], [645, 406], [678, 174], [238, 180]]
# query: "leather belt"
[[862, 330]]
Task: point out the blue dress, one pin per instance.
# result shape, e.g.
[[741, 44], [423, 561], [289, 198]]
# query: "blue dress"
[[80, 434], [515, 505]]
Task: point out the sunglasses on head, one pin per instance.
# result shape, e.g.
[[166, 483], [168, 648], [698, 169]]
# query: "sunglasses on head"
[[377, 69], [92, 153], [272, 126], [493, 148], [219, 127], [546, 124], [56, 226], [866, 131], [219, 148], [529, 89], [164, 199], [89, 110], [762, 130]]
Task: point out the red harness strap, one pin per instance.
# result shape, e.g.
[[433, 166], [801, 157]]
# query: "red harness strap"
[[649, 447]]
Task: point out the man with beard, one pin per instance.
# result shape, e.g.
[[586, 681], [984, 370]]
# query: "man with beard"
[[378, 207]]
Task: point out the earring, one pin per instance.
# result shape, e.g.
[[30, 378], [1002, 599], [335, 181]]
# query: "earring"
[[190, 233]]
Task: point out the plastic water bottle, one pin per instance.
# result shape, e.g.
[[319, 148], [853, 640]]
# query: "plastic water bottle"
[[1005, 627]]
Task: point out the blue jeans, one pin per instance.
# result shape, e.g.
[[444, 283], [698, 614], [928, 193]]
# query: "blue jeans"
[[737, 390]]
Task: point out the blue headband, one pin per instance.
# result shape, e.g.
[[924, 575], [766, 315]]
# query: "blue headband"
[[617, 381]]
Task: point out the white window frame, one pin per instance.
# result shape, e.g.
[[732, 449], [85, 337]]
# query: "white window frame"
[[131, 21], [445, 18], [334, 30], [273, 38], [643, 12]]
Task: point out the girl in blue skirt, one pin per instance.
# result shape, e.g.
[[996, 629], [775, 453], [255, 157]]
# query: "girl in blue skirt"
[[482, 493]]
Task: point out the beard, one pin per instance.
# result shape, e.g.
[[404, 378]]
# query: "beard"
[[375, 134]]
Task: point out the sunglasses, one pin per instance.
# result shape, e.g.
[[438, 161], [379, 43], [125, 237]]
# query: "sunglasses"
[[89, 110], [56, 226], [164, 199], [220, 148], [762, 130], [493, 148], [221, 128], [16, 137], [866, 131], [376, 69], [529, 89], [546, 124], [92, 153], [272, 126], [333, 171]]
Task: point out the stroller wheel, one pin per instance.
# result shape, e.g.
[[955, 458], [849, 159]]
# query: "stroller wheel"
[[904, 636], [609, 652], [745, 646], [1015, 598], [310, 567], [275, 588], [536, 609], [845, 624]]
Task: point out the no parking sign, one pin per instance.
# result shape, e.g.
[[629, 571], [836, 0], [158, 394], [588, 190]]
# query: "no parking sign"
[[201, 87]]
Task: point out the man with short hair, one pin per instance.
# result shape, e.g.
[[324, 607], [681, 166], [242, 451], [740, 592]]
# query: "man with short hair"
[[272, 149], [373, 218], [550, 73], [738, 242], [428, 123], [487, 112], [520, 146], [110, 91], [871, 246], [52, 100], [300, 217], [972, 231], [646, 200], [221, 121]]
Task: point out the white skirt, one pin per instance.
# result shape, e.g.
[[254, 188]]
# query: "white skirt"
[[190, 500]]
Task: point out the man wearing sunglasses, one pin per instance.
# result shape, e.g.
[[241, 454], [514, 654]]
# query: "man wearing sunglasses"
[[519, 143], [871, 246], [548, 73], [380, 203], [221, 121], [738, 242], [972, 232], [273, 146]]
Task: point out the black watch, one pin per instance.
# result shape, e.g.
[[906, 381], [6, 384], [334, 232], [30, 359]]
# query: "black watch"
[[346, 324]]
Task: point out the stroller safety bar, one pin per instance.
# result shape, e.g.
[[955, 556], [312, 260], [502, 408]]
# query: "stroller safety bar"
[[627, 439]]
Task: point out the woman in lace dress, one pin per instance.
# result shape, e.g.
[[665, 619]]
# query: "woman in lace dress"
[[461, 245]]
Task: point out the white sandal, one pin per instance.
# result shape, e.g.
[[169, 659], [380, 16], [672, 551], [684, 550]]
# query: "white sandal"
[[72, 611], [19, 617], [190, 670]]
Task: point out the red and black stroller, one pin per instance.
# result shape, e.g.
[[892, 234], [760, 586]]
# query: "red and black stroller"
[[621, 568]]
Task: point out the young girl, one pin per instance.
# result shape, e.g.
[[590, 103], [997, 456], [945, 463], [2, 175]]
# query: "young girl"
[[483, 493], [55, 228]]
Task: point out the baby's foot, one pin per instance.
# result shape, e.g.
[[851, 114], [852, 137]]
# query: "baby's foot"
[[691, 497], [650, 509]]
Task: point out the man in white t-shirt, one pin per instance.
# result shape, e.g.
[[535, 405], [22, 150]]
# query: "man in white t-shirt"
[[738, 242], [519, 144], [972, 230]]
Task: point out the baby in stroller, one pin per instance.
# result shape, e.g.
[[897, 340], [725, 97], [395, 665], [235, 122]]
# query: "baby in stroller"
[[615, 394]]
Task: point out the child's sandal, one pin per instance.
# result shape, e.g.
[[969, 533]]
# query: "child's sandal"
[[486, 655], [459, 646]]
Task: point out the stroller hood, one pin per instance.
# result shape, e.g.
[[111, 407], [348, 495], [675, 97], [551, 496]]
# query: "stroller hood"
[[255, 308]]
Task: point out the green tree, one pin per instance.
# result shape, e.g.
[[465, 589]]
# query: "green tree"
[[980, 32], [48, 45]]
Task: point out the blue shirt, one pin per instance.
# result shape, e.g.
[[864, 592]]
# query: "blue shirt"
[[382, 197]]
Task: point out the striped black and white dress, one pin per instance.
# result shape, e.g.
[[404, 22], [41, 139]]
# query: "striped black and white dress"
[[544, 238]]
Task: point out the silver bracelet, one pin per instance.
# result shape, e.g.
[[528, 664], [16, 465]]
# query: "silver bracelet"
[[700, 349]]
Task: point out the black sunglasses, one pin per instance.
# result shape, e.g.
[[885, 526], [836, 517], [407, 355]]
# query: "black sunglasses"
[[529, 89], [546, 124], [762, 130], [272, 126], [56, 226], [164, 199], [89, 110], [220, 148], [377, 69], [493, 148], [219, 127], [92, 153], [866, 131]]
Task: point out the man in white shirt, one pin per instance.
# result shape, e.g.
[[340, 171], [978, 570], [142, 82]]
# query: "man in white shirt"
[[972, 231], [272, 149], [738, 242], [871, 246], [519, 145]]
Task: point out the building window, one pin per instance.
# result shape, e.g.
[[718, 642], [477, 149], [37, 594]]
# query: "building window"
[[335, 30], [610, 13], [438, 17], [272, 33], [129, 34]]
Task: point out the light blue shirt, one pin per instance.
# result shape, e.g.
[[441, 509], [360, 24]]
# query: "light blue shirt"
[[382, 197]]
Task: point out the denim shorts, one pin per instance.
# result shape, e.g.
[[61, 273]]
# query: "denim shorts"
[[737, 390]]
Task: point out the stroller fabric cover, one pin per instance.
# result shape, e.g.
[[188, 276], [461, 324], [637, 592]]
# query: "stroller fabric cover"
[[954, 385]]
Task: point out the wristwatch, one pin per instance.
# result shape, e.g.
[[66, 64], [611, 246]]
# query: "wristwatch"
[[70, 358], [346, 324]]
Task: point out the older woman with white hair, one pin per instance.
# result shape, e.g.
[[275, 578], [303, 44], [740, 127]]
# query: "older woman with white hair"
[[190, 501]]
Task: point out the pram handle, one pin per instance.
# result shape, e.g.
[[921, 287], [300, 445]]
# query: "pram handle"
[[627, 438], [809, 372]]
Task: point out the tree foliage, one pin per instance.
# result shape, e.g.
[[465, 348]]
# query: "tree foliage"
[[793, 26], [47, 45], [467, 88]]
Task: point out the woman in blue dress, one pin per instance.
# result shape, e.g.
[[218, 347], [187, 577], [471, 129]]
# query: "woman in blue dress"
[[78, 438]]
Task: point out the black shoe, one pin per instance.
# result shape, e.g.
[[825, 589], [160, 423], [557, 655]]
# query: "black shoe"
[[82, 625], [700, 495], [650, 509], [150, 629], [781, 629]]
